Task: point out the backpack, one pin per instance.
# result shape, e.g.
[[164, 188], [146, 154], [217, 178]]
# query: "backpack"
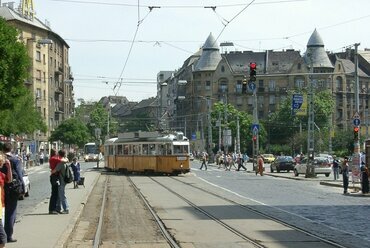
[[68, 175], [15, 186]]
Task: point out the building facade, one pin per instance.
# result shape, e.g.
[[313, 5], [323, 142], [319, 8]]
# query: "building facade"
[[214, 77], [50, 76]]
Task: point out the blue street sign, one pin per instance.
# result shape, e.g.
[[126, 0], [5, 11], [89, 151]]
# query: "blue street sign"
[[255, 127], [297, 101], [356, 122], [252, 86]]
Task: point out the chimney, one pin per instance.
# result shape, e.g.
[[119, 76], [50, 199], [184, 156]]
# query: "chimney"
[[11, 5]]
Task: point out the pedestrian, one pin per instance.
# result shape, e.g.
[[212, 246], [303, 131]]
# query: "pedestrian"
[[260, 165], [204, 161], [60, 169], [364, 179], [335, 168], [4, 178], [240, 162], [100, 157], [41, 157], [345, 174], [76, 168], [11, 197], [54, 182]]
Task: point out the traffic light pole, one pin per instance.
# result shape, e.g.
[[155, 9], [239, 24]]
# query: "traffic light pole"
[[356, 160]]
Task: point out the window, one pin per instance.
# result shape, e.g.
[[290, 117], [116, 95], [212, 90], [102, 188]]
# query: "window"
[[38, 93], [272, 84], [44, 76], [38, 56], [260, 83], [44, 59], [299, 66], [299, 83], [222, 68], [38, 75], [239, 85], [223, 86], [208, 85], [272, 100], [44, 94]]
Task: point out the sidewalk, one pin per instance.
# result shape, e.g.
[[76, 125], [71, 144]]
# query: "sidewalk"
[[39, 229]]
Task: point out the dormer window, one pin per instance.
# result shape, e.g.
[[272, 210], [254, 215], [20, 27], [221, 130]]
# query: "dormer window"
[[222, 68]]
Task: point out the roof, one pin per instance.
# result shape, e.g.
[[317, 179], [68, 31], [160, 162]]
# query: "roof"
[[210, 57], [315, 39], [349, 67], [268, 62], [11, 15], [316, 53]]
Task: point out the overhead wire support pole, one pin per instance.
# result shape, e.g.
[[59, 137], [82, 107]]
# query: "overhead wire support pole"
[[356, 161]]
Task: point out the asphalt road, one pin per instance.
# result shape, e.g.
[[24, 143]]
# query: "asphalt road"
[[304, 203]]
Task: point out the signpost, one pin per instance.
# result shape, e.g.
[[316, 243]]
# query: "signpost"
[[297, 102]]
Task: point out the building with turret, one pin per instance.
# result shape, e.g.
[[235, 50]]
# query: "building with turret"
[[209, 76]]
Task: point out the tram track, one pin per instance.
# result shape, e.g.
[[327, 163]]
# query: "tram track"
[[251, 240]]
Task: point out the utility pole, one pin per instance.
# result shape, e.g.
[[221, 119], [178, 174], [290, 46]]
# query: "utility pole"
[[219, 133], [310, 172], [356, 161], [210, 153], [237, 136]]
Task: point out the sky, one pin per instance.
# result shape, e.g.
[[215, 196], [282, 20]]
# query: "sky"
[[124, 41]]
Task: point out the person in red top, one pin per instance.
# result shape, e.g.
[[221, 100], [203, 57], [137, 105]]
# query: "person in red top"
[[54, 181], [4, 178]]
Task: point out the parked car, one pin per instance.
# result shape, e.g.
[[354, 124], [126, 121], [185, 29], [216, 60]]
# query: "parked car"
[[282, 163], [27, 186], [328, 156], [268, 158], [322, 166]]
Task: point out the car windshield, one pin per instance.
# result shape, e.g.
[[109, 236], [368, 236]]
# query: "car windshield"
[[285, 158]]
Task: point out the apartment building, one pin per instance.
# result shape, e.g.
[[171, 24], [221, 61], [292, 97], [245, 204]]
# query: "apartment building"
[[50, 78], [218, 77]]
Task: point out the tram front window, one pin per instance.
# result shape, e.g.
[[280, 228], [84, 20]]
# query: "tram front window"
[[180, 149]]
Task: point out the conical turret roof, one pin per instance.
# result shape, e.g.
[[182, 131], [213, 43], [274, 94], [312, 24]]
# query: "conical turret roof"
[[210, 57], [316, 53]]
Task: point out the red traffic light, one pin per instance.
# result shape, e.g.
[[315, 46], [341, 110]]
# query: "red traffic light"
[[356, 129], [252, 65]]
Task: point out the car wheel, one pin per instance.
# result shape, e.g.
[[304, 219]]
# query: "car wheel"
[[296, 173], [27, 194], [327, 174], [21, 197]]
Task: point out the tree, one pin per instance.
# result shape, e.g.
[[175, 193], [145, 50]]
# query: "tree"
[[17, 112], [71, 132], [245, 124], [284, 125]]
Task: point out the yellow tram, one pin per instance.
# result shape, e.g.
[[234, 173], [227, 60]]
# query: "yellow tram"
[[148, 152]]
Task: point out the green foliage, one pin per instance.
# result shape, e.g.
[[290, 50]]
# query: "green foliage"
[[343, 142], [71, 131], [14, 64], [245, 124], [284, 127], [17, 108]]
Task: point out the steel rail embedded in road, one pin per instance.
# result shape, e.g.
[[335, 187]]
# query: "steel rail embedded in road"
[[162, 228], [212, 217], [259, 213], [97, 237]]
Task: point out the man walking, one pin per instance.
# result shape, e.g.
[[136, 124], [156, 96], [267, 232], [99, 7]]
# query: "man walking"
[[204, 161]]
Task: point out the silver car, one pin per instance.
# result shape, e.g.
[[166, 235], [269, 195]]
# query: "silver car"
[[322, 166]]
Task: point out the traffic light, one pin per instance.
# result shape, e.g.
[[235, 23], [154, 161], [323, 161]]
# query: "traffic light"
[[253, 71], [244, 86], [355, 132]]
